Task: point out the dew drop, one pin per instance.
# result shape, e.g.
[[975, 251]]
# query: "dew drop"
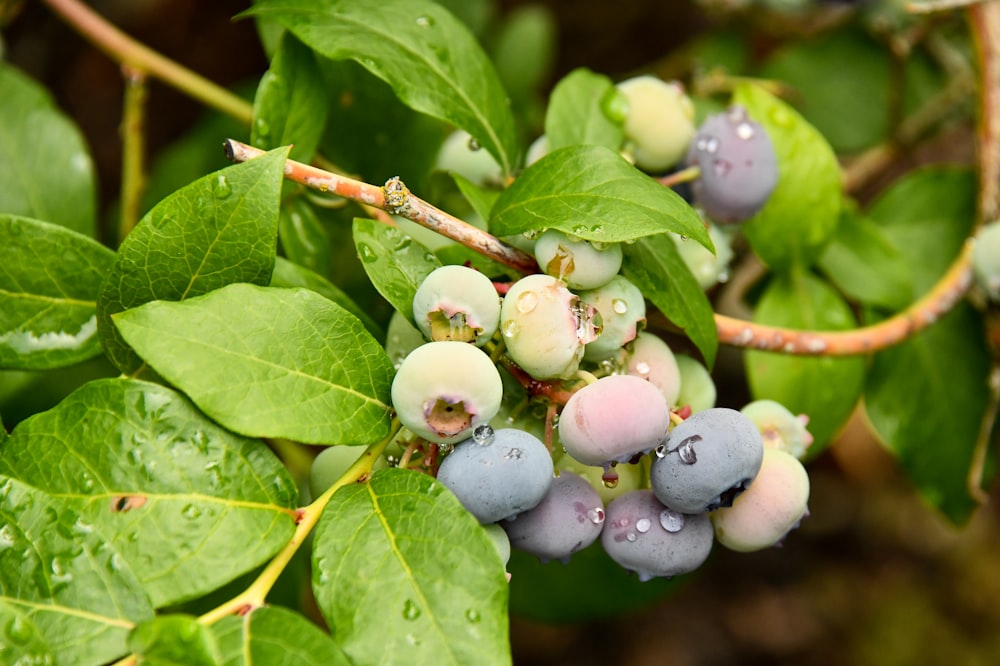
[[425, 21], [513, 454], [263, 129], [60, 571], [745, 131], [596, 515], [8, 539], [721, 168], [412, 640], [686, 451], [510, 328], [661, 451], [642, 525], [19, 631], [472, 615], [483, 435], [610, 484], [191, 512], [221, 187], [642, 369], [671, 521], [411, 611], [630, 537], [473, 144], [527, 302], [403, 243], [367, 254], [707, 144], [619, 306]]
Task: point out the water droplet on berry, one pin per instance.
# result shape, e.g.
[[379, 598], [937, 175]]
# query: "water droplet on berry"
[[513, 454], [630, 537], [510, 328], [721, 168], [661, 451], [411, 611], [367, 254], [745, 131], [596, 515], [483, 435], [619, 306], [221, 187], [526, 302], [642, 525], [686, 451], [642, 369], [671, 521], [473, 144]]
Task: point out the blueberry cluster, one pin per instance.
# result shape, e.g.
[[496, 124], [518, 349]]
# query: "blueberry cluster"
[[552, 415]]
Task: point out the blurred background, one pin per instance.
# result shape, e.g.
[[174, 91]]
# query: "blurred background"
[[873, 576]]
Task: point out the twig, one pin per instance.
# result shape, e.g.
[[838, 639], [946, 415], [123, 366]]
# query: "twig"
[[140, 57], [133, 150], [928, 6], [396, 199]]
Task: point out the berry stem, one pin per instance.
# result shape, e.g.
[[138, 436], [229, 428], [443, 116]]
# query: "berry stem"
[[683, 176], [395, 198], [139, 57]]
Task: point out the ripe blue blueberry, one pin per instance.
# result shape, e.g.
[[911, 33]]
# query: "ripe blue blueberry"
[[497, 474], [707, 461], [443, 390], [644, 536], [739, 167], [569, 518]]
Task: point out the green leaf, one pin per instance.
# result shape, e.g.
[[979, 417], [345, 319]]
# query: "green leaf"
[[64, 578], [480, 198], [803, 210], [291, 103], [552, 592], [927, 216], [594, 193], [49, 280], [926, 399], [267, 362], [371, 133], [45, 167], [218, 230], [23, 641], [303, 237], [404, 575], [842, 84], [655, 266], [156, 477], [576, 113], [430, 59], [275, 636], [863, 264], [288, 274], [395, 263], [826, 389], [173, 640]]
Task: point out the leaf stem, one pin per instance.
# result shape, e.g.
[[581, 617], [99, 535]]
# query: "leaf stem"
[[254, 596], [396, 199], [127, 51], [133, 149]]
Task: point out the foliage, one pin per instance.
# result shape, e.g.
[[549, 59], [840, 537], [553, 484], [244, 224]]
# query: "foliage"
[[247, 315]]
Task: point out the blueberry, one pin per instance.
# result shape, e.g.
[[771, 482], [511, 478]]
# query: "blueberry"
[[697, 387], [644, 536], [708, 269], [773, 505], [332, 462], [569, 518], [986, 260], [500, 541], [457, 303], [609, 484], [739, 167], [497, 474], [659, 122], [401, 337], [779, 428], [443, 390], [579, 263], [461, 154], [545, 327], [707, 461], [613, 419], [623, 312], [652, 360]]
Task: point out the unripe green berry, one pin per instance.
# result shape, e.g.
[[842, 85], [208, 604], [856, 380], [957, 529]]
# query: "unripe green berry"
[[579, 263], [659, 124], [457, 303], [623, 311]]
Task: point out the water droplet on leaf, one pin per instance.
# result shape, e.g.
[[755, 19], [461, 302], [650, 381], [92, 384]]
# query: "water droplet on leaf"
[[411, 611]]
